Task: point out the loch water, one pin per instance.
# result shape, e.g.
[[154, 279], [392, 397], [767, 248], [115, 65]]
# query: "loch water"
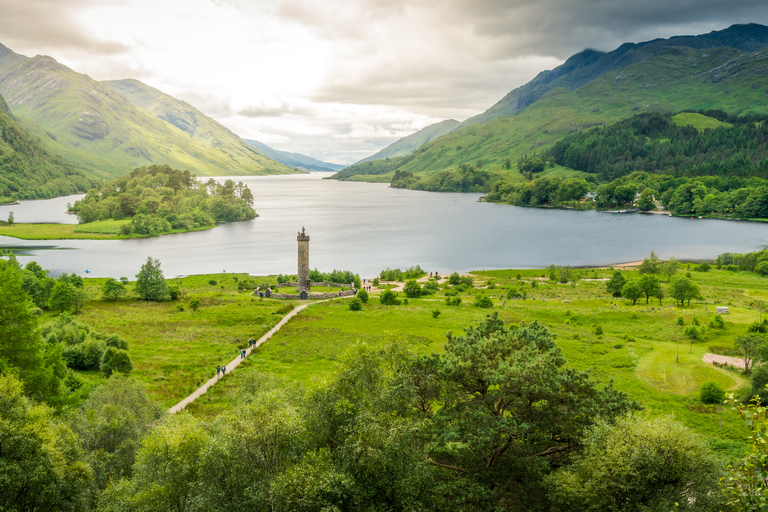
[[367, 227]]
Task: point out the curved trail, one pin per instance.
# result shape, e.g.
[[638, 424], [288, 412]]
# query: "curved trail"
[[235, 362]]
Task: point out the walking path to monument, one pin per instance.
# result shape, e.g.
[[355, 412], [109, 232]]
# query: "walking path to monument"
[[235, 362]]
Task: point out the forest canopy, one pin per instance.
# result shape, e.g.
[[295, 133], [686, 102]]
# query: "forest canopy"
[[159, 199]]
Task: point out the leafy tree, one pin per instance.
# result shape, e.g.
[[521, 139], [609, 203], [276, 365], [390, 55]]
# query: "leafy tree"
[[412, 289], [744, 485], [509, 406], [649, 283], [632, 290], [650, 265], [40, 368], [669, 268], [454, 279], [362, 295], [165, 476], [111, 423], [62, 297], [11, 219], [113, 289], [646, 203], [683, 289], [616, 283], [639, 464], [752, 345], [759, 381], [150, 282], [711, 393], [41, 462]]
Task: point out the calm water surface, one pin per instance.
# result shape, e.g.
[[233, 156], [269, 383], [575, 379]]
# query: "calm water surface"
[[367, 227]]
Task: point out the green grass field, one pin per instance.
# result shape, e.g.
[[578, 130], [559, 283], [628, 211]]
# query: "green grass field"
[[176, 351], [99, 230]]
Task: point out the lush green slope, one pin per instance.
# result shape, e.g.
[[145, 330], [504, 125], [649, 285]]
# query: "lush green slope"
[[97, 129], [28, 170], [678, 79], [296, 160], [589, 65], [188, 119]]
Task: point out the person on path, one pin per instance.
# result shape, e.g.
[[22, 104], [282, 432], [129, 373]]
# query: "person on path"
[[218, 370], [242, 354], [224, 370]]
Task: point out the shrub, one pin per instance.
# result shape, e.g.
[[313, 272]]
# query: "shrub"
[[711, 393], [435, 313], [453, 301], [680, 320], [355, 304], [412, 289], [483, 301], [179, 307], [362, 295], [376, 282], [115, 360], [389, 298], [194, 304], [717, 322], [598, 330], [762, 268], [454, 279], [703, 267], [212, 282], [759, 380], [430, 288]]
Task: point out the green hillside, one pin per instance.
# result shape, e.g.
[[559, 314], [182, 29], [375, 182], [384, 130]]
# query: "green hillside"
[[28, 170], [190, 120], [411, 143], [680, 78], [589, 65], [97, 129]]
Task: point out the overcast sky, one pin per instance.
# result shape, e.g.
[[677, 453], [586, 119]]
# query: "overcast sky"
[[340, 79]]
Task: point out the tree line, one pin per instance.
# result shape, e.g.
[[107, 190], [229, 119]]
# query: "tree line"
[[159, 199], [654, 143]]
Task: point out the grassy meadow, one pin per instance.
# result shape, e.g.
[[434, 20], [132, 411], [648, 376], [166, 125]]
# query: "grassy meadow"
[[175, 351], [98, 230]]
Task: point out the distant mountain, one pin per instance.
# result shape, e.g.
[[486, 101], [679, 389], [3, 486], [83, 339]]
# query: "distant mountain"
[[593, 88], [589, 65], [411, 143], [296, 160], [28, 170], [96, 128]]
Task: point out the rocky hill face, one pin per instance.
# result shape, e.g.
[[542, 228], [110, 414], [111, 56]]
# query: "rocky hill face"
[[96, 128]]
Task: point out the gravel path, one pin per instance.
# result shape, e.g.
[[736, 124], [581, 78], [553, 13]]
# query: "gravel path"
[[234, 363], [738, 362]]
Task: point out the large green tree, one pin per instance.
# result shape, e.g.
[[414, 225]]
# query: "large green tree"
[[510, 409], [639, 464], [41, 462], [150, 282]]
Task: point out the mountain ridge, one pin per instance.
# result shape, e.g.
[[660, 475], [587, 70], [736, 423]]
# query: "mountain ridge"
[[676, 77], [296, 160], [97, 129]]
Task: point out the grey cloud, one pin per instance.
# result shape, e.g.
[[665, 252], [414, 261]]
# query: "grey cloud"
[[46, 26]]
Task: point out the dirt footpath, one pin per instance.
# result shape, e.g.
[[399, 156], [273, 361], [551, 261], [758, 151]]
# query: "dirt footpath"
[[738, 362]]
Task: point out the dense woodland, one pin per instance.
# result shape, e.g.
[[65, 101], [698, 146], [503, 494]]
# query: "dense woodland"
[[158, 199], [653, 143], [28, 170]]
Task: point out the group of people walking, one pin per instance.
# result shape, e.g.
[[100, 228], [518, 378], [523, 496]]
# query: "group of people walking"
[[221, 370]]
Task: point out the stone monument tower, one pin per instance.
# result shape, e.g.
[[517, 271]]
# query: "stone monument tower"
[[302, 277]]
